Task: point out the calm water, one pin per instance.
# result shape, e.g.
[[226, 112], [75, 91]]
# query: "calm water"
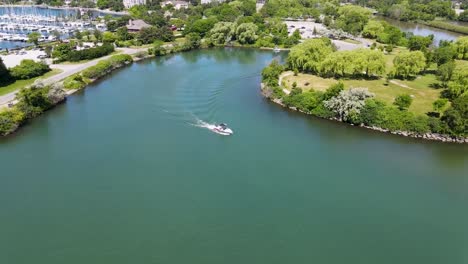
[[121, 174], [422, 30]]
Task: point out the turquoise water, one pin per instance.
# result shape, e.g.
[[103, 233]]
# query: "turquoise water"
[[122, 174]]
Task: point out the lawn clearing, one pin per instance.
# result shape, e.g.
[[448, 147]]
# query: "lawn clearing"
[[22, 83]]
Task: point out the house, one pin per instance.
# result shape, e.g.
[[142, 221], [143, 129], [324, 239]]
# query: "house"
[[176, 4], [130, 3], [211, 1], [136, 25]]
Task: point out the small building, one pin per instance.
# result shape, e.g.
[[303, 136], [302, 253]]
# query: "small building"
[[211, 1], [176, 4], [136, 25], [130, 3]]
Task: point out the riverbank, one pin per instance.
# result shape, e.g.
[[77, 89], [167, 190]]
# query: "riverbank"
[[267, 92], [110, 12]]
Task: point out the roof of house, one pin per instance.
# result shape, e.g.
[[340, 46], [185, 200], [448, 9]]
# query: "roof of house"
[[137, 24]]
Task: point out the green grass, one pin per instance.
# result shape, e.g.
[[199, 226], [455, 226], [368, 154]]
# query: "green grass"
[[84, 61], [423, 95], [420, 88], [352, 41], [22, 83]]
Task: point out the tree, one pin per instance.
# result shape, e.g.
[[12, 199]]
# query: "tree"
[[461, 46], [352, 19], [403, 101], [458, 85], [97, 34], [28, 69], [456, 117], [122, 34], [192, 41], [222, 32], [439, 104], [200, 26], [445, 72], [348, 103], [309, 55], [409, 64], [5, 76], [77, 34], [246, 33], [420, 42], [373, 29], [444, 54], [33, 37], [108, 37]]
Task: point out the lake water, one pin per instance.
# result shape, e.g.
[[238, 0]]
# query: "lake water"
[[423, 30], [121, 173]]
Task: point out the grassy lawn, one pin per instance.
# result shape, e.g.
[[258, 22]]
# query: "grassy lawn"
[[420, 88], [22, 83]]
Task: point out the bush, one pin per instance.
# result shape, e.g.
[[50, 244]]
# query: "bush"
[[89, 54], [403, 101], [29, 69], [10, 120], [104, 66]]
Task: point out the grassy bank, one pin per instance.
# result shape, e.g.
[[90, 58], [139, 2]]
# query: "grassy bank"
[[446, 26], [22, 83]]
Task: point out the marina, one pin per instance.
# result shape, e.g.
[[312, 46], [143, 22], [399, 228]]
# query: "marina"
[[17, 22]]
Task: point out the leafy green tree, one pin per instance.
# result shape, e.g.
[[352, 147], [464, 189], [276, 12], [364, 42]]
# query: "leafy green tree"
[[420, 42], [192, 41], [97, 35], [33, 37], [456, 117], [333, 91], [444, 54], [309, 55], [108, 37], [403, 102], [5, 76], [246, 33], [138, 11], [222, 32], [122, 34], [458, 85], [373, 29], [352, 19], [439, 104], [408, 64], [461, 46], [28, 69], [445, 72], [77, 34], [200, 26]]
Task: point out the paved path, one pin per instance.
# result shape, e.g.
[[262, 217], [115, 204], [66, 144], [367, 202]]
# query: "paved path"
[[67, 70]]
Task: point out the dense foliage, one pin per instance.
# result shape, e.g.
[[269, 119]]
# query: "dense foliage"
[[28, 69], [66, 52]]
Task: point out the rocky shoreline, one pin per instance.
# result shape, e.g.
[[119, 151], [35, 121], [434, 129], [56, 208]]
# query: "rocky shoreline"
[[426, 136]]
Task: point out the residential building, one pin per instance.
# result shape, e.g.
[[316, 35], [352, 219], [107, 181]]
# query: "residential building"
[[136, 25], [130, 3], [176, 4]]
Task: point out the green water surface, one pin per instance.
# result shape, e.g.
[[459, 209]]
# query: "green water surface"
[[123, 173]]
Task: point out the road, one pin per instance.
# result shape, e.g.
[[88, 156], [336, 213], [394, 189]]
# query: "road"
[[67, 70]]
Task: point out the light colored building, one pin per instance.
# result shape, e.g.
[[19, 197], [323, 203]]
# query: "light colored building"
[[176, 4], [130, 3], [211, 1]]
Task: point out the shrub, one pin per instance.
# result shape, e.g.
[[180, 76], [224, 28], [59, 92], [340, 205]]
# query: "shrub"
[[10, 120], [28, 69], [403, 101], [91, 53]]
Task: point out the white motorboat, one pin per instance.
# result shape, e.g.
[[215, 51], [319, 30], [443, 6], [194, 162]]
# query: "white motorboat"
[[276, 49], [222, 129]]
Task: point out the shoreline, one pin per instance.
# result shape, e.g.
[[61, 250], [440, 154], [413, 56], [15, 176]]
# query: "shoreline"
[[426, 136], [68, 8]]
